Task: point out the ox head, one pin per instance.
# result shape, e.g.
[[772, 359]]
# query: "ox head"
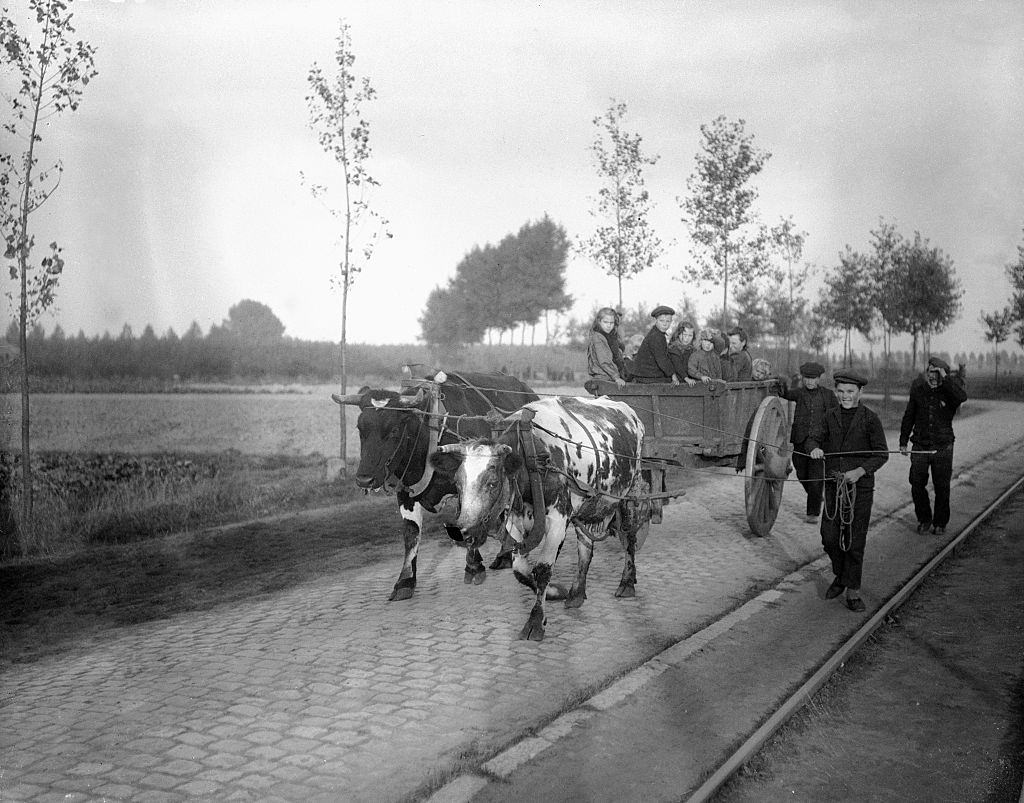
[[482, 473], [389, 427]]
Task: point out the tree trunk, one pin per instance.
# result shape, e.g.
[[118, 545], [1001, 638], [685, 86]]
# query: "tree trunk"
[[343, 472], [25, 526]]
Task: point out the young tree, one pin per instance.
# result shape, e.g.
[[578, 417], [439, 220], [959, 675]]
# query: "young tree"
[[719, 211], [788, 242], [998, 326], [1015, 272], [845, 303], [335, 115], [931, 291], [50, 70], [624, 242]]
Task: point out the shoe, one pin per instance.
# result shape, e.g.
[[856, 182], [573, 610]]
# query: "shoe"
[[938, 530], [855, 604], [922, 527], [834, 590]]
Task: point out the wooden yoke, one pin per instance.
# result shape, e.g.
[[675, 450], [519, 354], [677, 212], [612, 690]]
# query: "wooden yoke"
[[536, 481]]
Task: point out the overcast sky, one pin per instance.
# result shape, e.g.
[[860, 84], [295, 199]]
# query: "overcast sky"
[[181, 194]]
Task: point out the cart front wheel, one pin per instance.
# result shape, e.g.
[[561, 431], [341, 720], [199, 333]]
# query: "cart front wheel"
[[767, 464]]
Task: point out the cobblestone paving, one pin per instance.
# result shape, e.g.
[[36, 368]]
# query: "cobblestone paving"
[[328, 692]]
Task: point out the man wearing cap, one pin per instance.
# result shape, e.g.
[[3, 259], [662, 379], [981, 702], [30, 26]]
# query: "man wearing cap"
[[652, 362], [737, 365], [812, 402], [928, 422], [852, 442]]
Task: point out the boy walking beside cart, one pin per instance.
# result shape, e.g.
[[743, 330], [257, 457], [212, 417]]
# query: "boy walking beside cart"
[[812, 403], [852, 442]]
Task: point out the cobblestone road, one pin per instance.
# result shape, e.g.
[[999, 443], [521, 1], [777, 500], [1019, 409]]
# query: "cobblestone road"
[[328, 692]]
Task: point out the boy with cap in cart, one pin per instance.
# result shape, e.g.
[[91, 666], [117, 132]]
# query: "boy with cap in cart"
[[852, 442], [928, 422], [652, 362], [812, 403]]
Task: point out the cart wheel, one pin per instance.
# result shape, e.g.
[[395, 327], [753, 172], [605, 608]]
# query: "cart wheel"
[[767, 464]]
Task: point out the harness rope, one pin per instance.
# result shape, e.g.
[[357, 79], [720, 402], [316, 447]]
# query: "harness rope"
[[846, 496]]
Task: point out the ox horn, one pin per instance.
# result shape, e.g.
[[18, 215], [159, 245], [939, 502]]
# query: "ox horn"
[[451, 448], [352, 398]]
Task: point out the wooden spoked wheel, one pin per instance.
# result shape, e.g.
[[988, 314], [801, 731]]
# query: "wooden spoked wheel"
[[767, 463]]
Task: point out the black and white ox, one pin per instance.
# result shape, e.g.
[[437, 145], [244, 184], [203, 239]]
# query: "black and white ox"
[[399, 431], [588, 455]]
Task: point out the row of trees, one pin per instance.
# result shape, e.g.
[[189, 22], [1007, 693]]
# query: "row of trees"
[[1002, 324], [499, 287]]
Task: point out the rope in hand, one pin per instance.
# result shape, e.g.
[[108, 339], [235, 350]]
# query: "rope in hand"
[[845, 497]]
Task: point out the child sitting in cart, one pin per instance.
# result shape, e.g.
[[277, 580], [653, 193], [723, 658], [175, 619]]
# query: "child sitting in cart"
[[704, 364]]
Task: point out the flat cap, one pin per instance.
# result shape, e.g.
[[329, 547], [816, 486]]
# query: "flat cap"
[[849, 378], [938, 362], [661, 309], [812, 369]]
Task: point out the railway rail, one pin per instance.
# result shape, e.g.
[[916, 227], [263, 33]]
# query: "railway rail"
[[795, 701]]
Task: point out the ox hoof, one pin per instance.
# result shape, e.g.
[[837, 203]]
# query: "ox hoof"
[[474, 577], [401, 592], [626, 590], [575, 600], [502, 561], [532, 632]]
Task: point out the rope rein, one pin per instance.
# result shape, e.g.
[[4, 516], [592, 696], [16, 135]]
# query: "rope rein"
[[846, 496]]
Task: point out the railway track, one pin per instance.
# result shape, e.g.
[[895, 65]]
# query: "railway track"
[[750, 747]]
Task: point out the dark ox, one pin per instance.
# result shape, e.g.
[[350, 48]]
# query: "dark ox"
[[589, 451], [397, 434]]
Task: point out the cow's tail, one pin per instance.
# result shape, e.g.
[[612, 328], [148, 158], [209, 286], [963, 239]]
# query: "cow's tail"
[[556, 591]]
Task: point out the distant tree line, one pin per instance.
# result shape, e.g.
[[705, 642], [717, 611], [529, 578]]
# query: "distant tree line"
[[497, 288]]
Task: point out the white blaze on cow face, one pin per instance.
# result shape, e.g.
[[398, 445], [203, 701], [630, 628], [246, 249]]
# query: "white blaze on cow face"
[[480, 480]]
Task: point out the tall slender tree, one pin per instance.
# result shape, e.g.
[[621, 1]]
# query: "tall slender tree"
[[335, 114], [51, 70], [1015, 273], [845, 303], [788, 242], [998, 326], [729, 241], [623, 243]]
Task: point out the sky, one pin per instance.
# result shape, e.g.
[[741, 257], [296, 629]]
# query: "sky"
[[181, 192]]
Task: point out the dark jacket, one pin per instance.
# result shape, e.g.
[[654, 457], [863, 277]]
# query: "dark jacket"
[[680, 357], [811, 406], [865, 438], [652, 360], [737, 366], [928, 419], [704, 363]]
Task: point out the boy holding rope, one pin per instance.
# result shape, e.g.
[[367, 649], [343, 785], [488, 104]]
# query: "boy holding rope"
[[852, 442]]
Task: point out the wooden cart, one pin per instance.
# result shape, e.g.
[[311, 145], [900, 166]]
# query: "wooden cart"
[[745, 425]]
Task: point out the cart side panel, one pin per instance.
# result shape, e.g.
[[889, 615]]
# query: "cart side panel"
[[673, 416], [679, 420]]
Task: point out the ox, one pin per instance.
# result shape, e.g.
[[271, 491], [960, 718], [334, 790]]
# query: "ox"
[[587, 457], [399, 431]]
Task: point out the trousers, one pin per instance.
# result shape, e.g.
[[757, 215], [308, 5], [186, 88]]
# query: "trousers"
[[940, 465], [847, 564], [810, 473]]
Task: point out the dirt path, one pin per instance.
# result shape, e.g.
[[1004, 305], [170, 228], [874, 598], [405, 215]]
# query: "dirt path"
[[932, 708]]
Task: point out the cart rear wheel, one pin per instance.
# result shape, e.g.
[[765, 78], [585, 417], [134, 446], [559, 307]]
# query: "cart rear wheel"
[[767, 464]]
